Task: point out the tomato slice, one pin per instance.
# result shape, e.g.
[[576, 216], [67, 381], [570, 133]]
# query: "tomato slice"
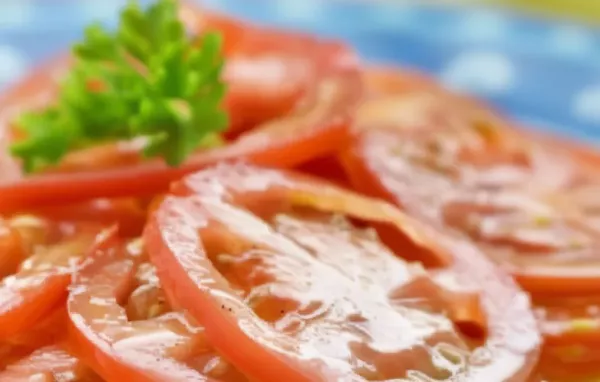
[[408, 98], [48, 364], [570, 320], [523, 198], [40, 250], [47, 331], [11, 249], [129, 214], [40, 284], [278, 65], [481, 179], [287, 291], [268, 71], [149, 300], [387, 80], [154, 348], [327, 167], [316, 128], [569, 362]]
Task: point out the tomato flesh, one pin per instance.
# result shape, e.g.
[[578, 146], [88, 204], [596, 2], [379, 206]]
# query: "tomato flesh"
[[11, 249], [39, 285], [48, 331], [43, 248], [384, 81], [267, 71], [48, 364], [316, 128], [488, 184], [268, 75], [525, 200], [312, 299], [153, 348]]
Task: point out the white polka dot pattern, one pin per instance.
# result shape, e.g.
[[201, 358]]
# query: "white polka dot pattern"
[[12, 65], [480, 72], [586, 105], [540, 69], [572, 40]]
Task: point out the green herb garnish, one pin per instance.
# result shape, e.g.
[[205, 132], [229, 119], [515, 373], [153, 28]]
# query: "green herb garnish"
[[147, 79]]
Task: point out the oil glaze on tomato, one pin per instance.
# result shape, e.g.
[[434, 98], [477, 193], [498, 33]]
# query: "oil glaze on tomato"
[[260, 260]]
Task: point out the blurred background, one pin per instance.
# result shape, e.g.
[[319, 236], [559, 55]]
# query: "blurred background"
[[537, 60]]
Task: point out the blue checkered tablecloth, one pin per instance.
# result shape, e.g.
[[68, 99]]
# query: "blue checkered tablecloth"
[[542, 72]]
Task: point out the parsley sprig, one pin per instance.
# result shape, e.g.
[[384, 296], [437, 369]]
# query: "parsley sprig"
[[146, 79]]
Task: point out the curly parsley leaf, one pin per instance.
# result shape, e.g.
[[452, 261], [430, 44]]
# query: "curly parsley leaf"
[[147, 79]]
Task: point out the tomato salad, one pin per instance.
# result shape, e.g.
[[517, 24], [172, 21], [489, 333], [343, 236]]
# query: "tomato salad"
[[256, 205]]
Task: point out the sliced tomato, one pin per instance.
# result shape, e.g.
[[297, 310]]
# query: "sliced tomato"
[[101, 332], [569, 362], [129, 214], [48, 364], [12, 250], [387, 80], [279, 66], [287, 289], [148, 300], [329, 168], [268, 71], [41, 250], [40, 284], [318, 127], [526, 200], [157, 347], [410, 100], [48, 330], [569, 321], [482, 179], [35, 231], [586, 153]]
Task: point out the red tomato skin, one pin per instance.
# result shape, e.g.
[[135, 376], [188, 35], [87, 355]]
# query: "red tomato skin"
[[46, 331], [319, 127], [99, 329], [329, 168], [249, 356], [128, 214], [243, 43], [16, 317], [49, 363], [12, 250], [38, 291], [360, 175], [365, 181], [247, 107], [268, 70], [577, 160], [219, 314]]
